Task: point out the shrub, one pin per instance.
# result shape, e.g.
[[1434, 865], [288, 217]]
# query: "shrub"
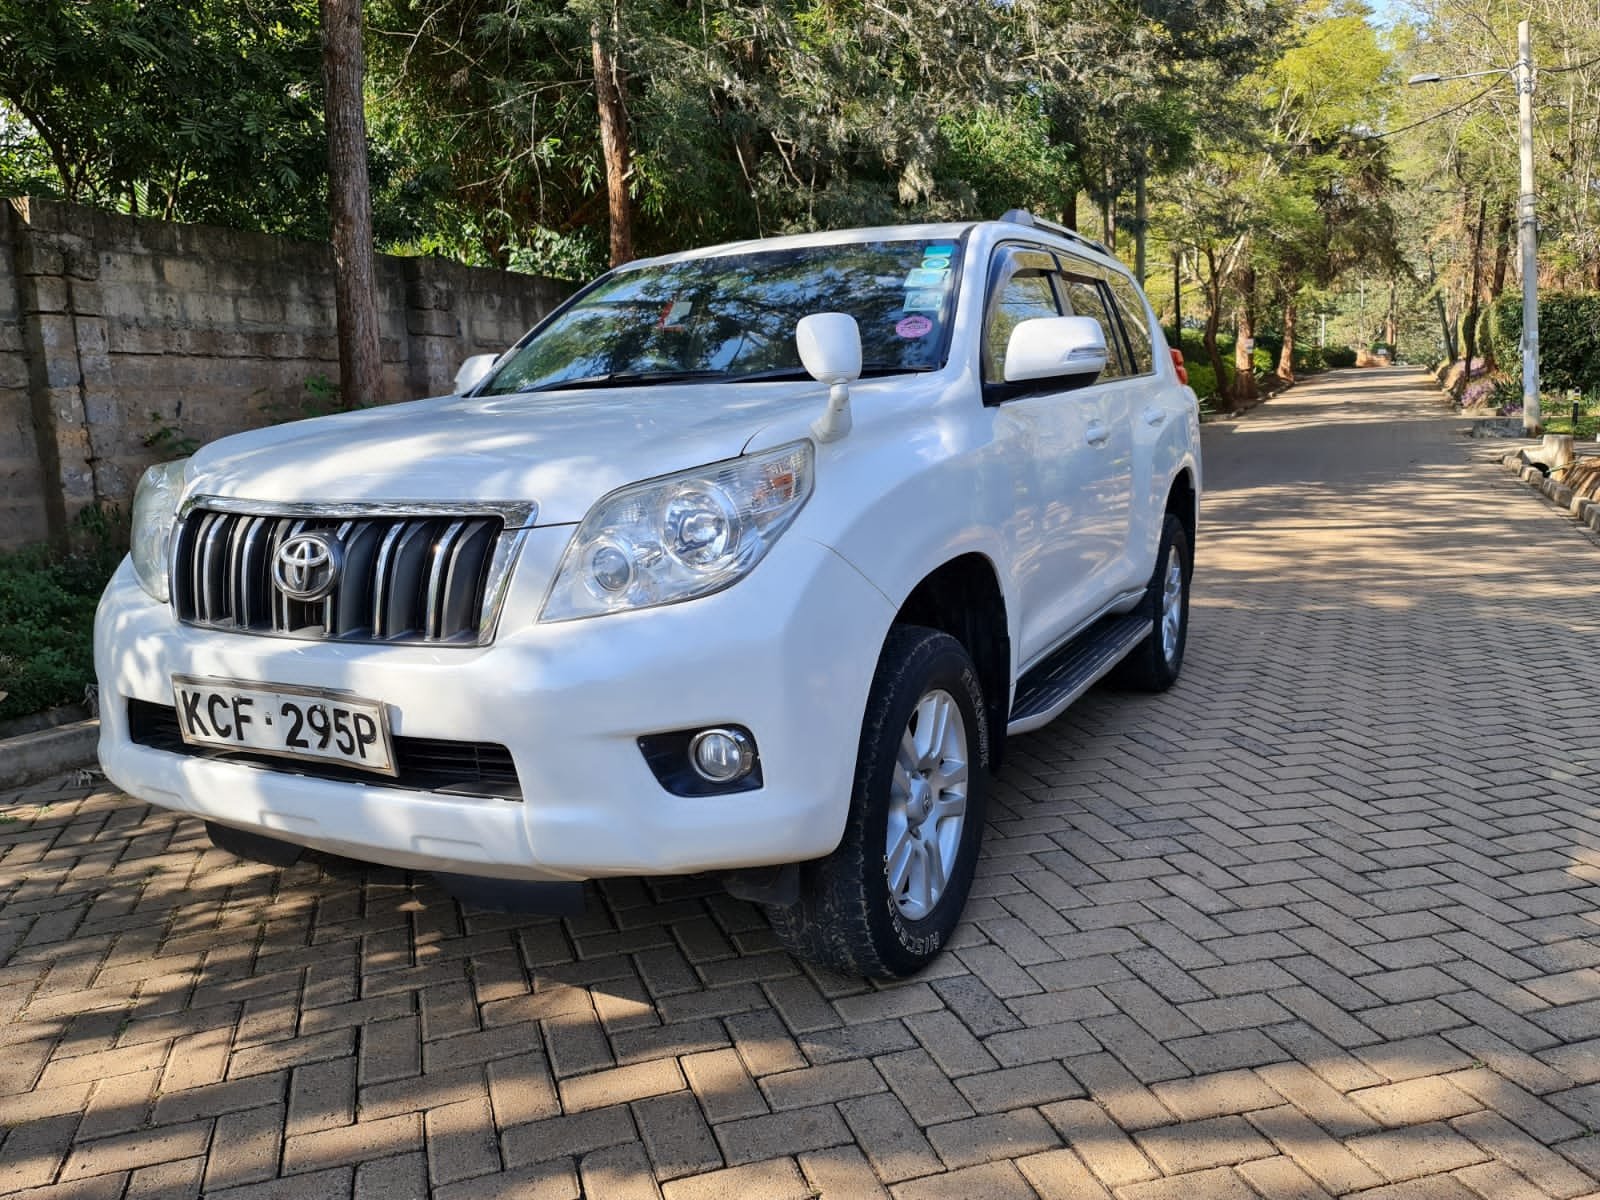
[[1569, 338], [1307, 357], [1202, 379], [1339, 356], [47, 605]]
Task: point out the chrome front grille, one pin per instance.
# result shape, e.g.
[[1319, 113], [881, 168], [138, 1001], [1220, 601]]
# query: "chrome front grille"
[[434, 578]]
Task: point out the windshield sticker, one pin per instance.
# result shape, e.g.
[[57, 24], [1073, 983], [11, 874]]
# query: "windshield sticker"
[[913, 326], [923, 301], [672, 315], [926, 277]]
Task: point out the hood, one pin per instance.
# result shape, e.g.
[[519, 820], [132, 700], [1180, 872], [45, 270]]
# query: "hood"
[[560, 450]]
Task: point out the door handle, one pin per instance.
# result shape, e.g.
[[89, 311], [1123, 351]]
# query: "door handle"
[[1097, 434], [1154, 416]]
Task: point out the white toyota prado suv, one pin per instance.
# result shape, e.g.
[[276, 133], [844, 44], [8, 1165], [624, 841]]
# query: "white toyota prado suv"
[[746, 560]]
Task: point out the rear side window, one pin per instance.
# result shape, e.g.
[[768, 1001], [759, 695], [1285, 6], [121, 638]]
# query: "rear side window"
[[1090, 298], [1134, 322]]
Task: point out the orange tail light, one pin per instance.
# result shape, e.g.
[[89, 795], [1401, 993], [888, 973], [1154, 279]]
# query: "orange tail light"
[[1183, 371]]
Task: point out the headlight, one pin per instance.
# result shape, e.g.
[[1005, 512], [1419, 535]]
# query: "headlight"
[[155, 512], [680, 536]]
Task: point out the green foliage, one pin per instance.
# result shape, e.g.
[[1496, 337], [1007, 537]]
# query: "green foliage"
[[1203, 380], [168, 439], [201, 110], [1339, 356], [1569, 338], [47, 605]]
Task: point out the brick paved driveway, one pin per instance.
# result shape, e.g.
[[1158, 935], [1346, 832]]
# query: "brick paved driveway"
[[1321, 920]]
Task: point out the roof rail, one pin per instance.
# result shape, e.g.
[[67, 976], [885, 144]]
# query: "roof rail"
[[1021, 216]]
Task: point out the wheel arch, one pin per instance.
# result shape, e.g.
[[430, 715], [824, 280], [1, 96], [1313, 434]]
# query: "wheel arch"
[[963, 597], [1183, 501]]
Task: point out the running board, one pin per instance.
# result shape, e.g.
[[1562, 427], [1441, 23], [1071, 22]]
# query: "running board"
[[1045, 691]]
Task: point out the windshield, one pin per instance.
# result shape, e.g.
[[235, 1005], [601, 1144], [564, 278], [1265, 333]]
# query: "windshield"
[[733, 316]]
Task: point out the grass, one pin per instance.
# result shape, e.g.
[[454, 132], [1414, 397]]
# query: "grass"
[[1557, 414], [47, 604]]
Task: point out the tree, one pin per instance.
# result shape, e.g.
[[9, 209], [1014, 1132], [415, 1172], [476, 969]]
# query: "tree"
[[196, 110], [350, 205]]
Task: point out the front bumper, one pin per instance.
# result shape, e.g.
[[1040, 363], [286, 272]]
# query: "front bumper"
[[788, 652]]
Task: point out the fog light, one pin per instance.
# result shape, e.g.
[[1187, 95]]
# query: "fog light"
[[721, 755]]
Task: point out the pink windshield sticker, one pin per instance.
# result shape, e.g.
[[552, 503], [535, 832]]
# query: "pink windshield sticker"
[[913, 326]]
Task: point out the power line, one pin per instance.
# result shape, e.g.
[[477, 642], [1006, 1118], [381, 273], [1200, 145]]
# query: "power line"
[[1574, 67], [1444, 112]]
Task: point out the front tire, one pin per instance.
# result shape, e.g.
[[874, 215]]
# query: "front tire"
[[1154, 664], [886, 901]]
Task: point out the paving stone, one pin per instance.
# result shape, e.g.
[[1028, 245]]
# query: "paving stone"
[[1416, 1150], [773, 1179], [1198, 1145], [1216, 1095], [620, 1085], [993, 1181], [842, 1173], [619, 1173], [567, 1136], [1109, 1153], [724, 1088], [984, 1139], [1326, 1160], [889, 1137], [1415, 1101], [676, 1135], [753, 1139]]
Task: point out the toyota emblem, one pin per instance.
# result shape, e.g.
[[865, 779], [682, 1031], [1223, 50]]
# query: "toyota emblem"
[[307, 565]]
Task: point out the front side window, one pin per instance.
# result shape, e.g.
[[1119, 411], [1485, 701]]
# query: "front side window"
[[733, 316], [1025, 295]]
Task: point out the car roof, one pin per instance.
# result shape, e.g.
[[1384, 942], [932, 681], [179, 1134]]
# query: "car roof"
[[1000, 230]]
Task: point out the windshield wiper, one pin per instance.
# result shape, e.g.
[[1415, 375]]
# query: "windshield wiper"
[[647, 378], [777, 374], [626, 379]]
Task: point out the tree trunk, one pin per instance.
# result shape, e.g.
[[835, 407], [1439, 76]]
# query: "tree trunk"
[[1177, 300], [350, 206], [1141, 221], [613, 146], [1445, 328], [1213, 286], [1069, 217], [1286, 355], [1391, 323], [1244, 372], [1502, 250], [1469, 324]]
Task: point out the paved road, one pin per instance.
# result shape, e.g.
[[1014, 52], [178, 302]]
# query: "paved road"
[[1321, 920]]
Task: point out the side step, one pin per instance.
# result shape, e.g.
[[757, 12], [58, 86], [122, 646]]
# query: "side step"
[[1045, 691]]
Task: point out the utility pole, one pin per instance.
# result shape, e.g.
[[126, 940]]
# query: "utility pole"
[[1528, 236]]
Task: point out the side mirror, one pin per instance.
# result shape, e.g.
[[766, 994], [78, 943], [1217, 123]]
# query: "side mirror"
[[1055, 348], [830, 347], [473, 372]]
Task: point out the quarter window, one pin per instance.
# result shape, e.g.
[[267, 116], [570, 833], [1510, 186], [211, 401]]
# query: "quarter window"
[[1134, 323]]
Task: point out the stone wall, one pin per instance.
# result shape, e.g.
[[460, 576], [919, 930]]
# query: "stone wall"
[[122, 339]]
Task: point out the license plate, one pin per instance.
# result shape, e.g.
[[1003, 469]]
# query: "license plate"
[[290, 722]]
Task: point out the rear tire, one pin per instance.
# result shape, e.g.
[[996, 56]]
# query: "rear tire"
[[1154, 664], [886, 901]]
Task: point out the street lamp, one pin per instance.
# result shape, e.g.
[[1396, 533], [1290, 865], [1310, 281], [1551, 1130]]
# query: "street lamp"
[[1527, 219]]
